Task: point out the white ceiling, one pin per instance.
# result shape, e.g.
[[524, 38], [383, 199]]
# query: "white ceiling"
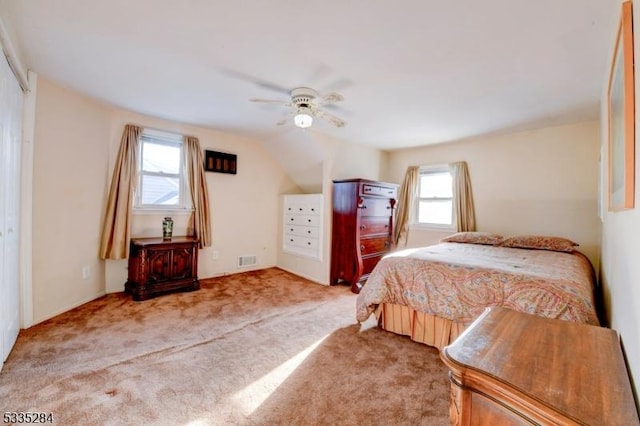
[[412, 72]]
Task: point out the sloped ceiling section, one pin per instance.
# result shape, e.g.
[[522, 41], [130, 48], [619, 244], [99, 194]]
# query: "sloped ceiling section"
[[301, 153]]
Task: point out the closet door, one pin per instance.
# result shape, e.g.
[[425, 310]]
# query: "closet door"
[[11, 99]]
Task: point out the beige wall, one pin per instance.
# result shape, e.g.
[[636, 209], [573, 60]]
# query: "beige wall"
[[71, 149], [76, 141], [620, 273], [349, 161], [535, 182]]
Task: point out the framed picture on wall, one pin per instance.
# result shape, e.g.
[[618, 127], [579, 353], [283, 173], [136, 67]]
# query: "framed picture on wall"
[[621, 117], [220, 162]]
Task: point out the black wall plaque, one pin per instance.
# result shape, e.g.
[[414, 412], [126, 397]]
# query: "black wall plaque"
[[220, 162]]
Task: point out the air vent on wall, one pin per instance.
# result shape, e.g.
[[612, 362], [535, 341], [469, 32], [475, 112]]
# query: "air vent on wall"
[[249, 260]]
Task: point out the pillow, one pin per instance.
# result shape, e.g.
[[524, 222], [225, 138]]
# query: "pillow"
[[474, 238], [540, 243]]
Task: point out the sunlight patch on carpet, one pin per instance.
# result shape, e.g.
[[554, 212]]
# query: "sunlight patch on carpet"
[[253, 395], [197, 423]]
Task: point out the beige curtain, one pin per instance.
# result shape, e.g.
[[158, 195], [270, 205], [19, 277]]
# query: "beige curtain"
[[116, 228], [463, 197], [199, 223], [406, 199]]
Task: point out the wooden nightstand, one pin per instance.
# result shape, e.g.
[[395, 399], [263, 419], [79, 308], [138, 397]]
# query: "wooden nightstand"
[[159, 266], [519, 369]]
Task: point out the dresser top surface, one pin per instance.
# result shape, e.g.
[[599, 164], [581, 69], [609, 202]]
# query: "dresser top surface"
[[556, 363], [149, 241], [367, 181]]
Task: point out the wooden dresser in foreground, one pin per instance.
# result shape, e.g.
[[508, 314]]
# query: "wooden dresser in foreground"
[[510, 368], [362, 228], [159, 266]]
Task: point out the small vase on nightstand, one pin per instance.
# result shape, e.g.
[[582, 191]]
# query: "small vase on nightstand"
[[167, 228]]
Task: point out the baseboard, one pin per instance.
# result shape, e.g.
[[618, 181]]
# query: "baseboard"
[[305, 276], [68, 308], [243, 270], [237, 271]]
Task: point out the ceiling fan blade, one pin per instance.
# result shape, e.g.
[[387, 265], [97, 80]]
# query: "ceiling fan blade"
[[338, 122], [271, 101], [331, 98], [258, 82], [286, 119]]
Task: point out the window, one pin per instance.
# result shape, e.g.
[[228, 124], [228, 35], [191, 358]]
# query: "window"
[[161, 179], [435, 197]]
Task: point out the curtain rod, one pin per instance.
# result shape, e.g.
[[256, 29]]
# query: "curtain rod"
[[161, 130]]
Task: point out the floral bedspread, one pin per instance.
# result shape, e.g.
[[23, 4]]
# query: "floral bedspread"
[[458, 281]]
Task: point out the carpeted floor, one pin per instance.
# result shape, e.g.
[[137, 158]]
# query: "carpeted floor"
[[258, 348]]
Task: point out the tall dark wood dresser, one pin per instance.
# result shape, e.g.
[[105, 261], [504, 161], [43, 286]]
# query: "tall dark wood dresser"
[[362, 228]]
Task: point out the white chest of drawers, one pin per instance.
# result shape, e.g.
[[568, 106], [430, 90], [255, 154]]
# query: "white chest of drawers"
[[302, 226]]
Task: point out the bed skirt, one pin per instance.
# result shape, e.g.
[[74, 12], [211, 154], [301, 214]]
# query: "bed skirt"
[[420, 327]]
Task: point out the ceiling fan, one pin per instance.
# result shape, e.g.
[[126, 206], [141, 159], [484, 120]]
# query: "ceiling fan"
[[305, 104]]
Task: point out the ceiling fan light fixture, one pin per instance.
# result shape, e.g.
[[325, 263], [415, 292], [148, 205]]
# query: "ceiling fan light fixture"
[[306, 105], [303, 118]]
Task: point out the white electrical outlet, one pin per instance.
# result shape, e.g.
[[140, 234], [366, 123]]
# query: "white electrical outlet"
[[215, 254], [86, 272]]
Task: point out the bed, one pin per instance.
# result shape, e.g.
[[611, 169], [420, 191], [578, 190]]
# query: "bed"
[[433, 293]]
